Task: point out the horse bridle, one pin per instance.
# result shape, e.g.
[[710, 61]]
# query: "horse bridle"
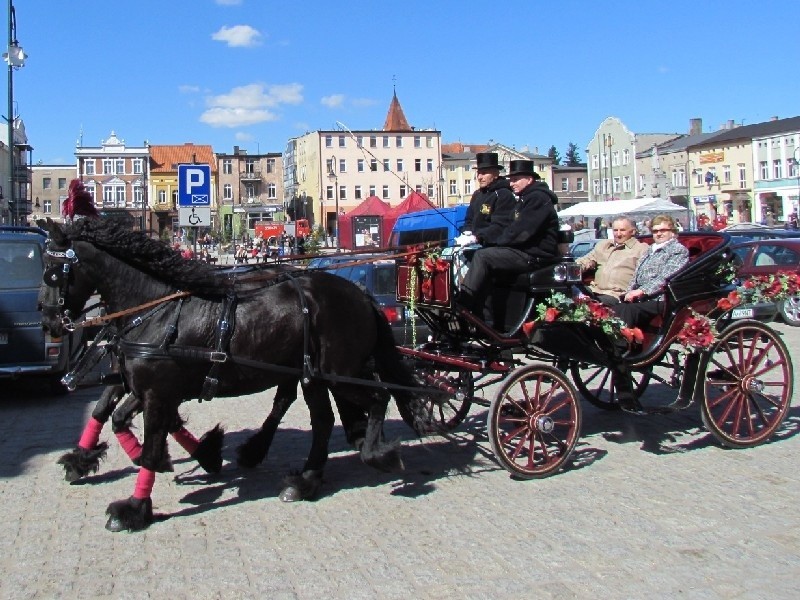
[[59, 276]]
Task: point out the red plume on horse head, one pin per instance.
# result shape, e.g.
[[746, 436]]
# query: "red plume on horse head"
[[79, 202]]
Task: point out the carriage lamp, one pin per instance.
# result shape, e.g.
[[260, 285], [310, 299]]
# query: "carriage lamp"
[[569, 272]]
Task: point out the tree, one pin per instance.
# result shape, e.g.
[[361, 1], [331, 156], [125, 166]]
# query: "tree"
[[553, 153], [572, 158]]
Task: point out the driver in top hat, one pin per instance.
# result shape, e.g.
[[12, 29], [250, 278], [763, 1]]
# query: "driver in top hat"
[[491, 208], [532, 234]]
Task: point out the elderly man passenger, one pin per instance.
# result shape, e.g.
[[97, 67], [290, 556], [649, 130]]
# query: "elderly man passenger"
[[614, 262]]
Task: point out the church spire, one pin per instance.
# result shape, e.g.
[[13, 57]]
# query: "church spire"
[[395, 119]]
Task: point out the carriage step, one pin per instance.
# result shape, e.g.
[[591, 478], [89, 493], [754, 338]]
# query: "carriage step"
[[636, 408]]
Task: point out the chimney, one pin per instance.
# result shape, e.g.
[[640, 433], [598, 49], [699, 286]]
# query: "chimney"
[[730, 124], [695, 126], [773, 118], [235, 150]]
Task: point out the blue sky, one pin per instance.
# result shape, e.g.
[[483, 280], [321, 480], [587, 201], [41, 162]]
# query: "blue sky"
[[254, 73]]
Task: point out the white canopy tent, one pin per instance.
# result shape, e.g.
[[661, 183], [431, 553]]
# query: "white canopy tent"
[[609, 208]]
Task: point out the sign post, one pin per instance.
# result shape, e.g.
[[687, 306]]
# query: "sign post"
[[194, 197]]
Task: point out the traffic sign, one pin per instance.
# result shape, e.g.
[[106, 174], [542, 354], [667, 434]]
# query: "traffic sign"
[[194, 216], [194, 185]]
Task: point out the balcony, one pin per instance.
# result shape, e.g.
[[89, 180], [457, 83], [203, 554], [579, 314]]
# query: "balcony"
[[22, 174], [254, 175]]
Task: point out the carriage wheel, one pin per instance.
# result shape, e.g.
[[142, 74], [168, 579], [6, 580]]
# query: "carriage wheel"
[[445, 413], [596, 384], [534, 421], [748, 385]]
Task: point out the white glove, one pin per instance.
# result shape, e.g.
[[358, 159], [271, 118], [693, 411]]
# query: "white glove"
[[465, 239]]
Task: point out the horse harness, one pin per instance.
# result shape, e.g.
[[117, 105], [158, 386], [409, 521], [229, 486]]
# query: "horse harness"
[[61, 277]]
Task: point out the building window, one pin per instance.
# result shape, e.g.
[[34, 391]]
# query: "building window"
[[604, 160], [357, 192], [227, 166], [579, 184], [430, 190], [764, 169], [329, 141], [616, 188], [162, 196], [386, 166], [386, 192], [342, 192], [615, 158], [137, 166], [270, 165], [429, 165], [329, 165], [418, 164], [373, 141], [119, 166], [596, 186], [595, 161], [742, 176], [341, 141], [47, 206], [453, 187], [372, 190], [329, 192], [373, 165], [360, 165], [726, 173], [250, 191], [792, 167], [46, 183], [626, 157], [250, 166], [342, 165], [468, 186], [107, 166], [88, 167], [429, 142], [417, 142], [777, 169], [399, 165], [62, 183], [398, 141], [227, 192], [360, 141], [272, 191], [403, 191], [626, 183], [386, 141], [138, 196], [564, 184], [641, 182], [605, 185]]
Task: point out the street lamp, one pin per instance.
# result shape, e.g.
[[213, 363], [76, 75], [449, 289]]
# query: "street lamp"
[[689, 202], [15, 58], [333, 176]]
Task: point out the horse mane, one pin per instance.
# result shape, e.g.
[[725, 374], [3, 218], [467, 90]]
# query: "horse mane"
[[152, 256]]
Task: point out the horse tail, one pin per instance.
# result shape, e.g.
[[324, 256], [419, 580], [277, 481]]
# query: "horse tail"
[[391, 368]]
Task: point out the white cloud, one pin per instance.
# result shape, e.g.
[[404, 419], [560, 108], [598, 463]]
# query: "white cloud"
[[250, 104], [242, 136], [333, 101], [188, 89], [238, 36]]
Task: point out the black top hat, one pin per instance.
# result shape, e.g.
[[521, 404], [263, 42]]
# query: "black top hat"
[[522, 167], [487, 160]]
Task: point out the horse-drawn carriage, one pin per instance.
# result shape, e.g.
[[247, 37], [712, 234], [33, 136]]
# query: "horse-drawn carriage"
[[740, 372]]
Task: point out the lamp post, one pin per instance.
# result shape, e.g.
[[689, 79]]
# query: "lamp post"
[[15, 58], [689, 201], [334, 177], [796, 156]]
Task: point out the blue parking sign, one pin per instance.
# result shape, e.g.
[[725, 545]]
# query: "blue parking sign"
[[194, 185]]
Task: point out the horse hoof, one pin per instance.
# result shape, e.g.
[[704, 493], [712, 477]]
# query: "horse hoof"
[[385, 458], [80, 462], [301, 487], [129, 515], [209, 452]]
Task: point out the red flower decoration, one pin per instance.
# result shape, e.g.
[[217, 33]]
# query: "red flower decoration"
[[527, 328], [632, 334], [696, 333], [729, 301], [551, 314]]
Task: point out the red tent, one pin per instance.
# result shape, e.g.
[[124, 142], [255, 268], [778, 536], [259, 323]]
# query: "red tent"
[[414, 202], [363, 226]]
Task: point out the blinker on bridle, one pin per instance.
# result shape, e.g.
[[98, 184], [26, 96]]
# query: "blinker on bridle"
[[59, 278]]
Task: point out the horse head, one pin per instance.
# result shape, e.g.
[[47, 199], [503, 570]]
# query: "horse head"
[[65, 286]]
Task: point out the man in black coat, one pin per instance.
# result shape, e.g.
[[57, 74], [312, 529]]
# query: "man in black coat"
[[532, 234], [491, 208]]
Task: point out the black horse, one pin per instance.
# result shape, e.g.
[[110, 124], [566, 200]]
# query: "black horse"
[[189, 330]]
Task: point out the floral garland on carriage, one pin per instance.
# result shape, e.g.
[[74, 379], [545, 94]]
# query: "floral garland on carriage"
[[699, 331]]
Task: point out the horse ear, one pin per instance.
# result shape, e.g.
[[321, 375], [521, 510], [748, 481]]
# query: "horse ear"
[[54, 231]]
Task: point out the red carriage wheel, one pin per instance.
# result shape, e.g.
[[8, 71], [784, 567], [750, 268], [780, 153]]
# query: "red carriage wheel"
[[596, 384], [534, 421], [748, 385], [446, 412]]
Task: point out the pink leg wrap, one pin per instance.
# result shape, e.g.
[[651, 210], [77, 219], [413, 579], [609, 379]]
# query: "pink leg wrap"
[[187, 441], [130, 444], [144, 483], [90, 435]]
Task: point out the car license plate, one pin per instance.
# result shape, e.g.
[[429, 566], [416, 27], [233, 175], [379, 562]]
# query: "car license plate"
[[3, 337], [742, 313]]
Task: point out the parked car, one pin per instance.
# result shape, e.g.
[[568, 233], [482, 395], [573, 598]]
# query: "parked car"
[[769, 256], [583, 247], [376, 275], [25, 348], [760, 233]]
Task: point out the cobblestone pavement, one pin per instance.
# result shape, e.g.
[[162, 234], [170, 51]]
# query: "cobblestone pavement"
[[649, 507]]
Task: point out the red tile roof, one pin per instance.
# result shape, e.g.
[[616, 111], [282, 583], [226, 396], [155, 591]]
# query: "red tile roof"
[[395, 119], [164, 159], [459, 147]]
